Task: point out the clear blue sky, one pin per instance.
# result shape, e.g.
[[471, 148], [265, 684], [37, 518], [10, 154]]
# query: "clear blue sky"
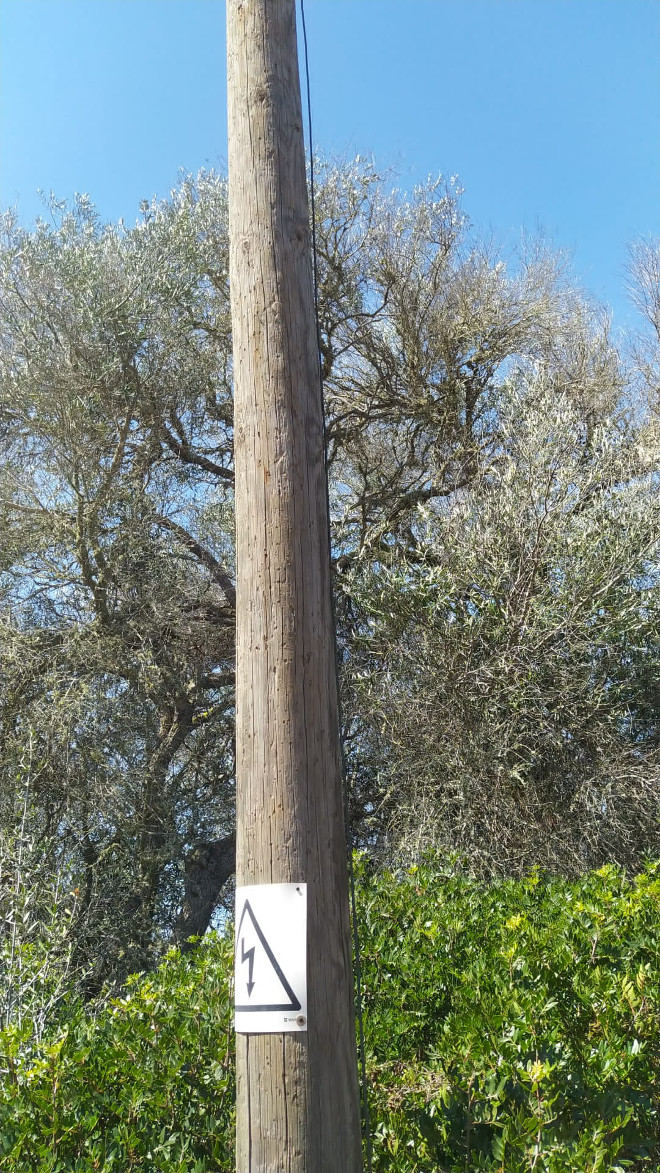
[[548, 110]]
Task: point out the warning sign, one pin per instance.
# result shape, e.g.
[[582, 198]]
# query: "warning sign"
[[270, 967]]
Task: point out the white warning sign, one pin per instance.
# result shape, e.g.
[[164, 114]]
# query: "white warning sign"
[[270, 965]]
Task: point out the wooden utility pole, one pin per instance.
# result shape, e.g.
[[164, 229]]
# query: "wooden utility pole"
[[297, 1093]]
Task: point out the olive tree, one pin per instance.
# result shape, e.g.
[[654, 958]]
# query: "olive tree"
[[508, 659], [491, 460], [117, 583], [484, 436]]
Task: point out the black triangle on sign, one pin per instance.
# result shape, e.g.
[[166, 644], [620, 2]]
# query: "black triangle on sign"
[[293, 1004]]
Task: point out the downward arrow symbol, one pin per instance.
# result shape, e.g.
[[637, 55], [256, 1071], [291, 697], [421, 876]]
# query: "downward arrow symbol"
[[248, 955]]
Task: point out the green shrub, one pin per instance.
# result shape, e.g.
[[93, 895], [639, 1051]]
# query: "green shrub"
[[510, 1027], [513, 1026], [147, 1084]]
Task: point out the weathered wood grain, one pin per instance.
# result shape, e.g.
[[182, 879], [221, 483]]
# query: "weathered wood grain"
[[297, 1106]]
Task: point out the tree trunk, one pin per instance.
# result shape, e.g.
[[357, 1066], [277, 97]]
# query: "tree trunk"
[[297, 1097], [207, 869]]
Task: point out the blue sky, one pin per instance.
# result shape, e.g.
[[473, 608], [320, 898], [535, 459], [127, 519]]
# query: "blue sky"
[[547, 110]]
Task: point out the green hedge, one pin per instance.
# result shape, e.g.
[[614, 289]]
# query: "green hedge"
[[146, 1085], [516, 1026], [510, 1027]]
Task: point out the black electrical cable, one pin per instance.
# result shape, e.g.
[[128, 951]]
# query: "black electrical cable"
[[366, 1119]]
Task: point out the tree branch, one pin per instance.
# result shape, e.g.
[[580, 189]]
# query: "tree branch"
[[189, 456], [218, 573]]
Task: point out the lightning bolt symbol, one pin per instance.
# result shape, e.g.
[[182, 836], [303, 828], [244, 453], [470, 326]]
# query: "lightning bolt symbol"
[[248, 955]]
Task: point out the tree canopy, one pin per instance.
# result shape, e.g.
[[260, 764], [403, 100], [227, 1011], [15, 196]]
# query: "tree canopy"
[[493, 465]]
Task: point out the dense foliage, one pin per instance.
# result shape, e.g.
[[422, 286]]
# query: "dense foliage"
[[513, 1026], [493, 455], [146, 1083], [510, 1027]]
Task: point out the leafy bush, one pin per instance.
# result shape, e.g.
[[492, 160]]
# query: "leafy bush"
[[146, 1085], [510, 1027], [513, 1026]]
